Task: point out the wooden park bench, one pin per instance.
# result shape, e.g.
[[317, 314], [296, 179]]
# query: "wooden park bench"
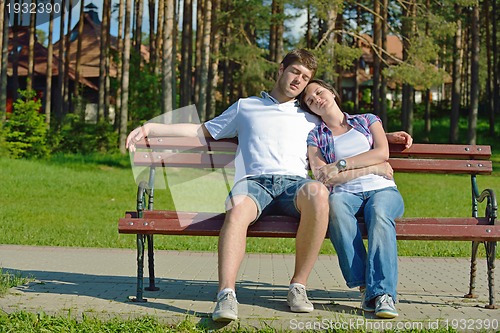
[[206, 153]]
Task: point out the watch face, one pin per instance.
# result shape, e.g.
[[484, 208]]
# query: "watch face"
[[342, 164]]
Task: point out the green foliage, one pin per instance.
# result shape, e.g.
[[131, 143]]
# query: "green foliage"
[[145, 95], [254, 67], [418, 74], [25, 131], [24, 322], [346, 55], [77, 136], [9, 280]]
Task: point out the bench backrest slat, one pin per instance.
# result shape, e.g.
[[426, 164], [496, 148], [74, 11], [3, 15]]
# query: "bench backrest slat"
[[417, 150], [205, 160], [209, 153]]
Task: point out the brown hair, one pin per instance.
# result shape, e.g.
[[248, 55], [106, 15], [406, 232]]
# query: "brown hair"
[[327, 86], [303, 57]]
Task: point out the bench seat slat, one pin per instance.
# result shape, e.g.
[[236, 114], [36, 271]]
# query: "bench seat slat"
[[209, 224]]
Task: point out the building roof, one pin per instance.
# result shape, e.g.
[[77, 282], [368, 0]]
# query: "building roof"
[[394, 48], [91, 47], [40, 57]]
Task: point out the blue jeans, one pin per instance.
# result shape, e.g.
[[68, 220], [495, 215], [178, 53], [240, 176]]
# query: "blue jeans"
[[377, 269], [272, 194]]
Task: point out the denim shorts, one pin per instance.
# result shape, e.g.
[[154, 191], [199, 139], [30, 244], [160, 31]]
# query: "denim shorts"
[[273, 194]]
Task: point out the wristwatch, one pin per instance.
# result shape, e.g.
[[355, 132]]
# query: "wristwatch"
[[341, 165]]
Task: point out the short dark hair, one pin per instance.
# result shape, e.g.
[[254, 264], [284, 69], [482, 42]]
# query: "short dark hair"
[[303, 57], [324, 84]]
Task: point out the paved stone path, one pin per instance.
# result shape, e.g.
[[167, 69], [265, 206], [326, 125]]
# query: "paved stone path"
[[98, 282]]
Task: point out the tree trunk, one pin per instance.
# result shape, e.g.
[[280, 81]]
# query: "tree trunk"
[[107, 64], [48, 75], [66, 98], [383, 65], [119, 56], [60, 67], [200, 23], [276, 31], [31, 49], [15, 57], [357, 65], [186, 81], [152, 38], [159, 36], [496, 60], [103, 62], [490, 104], [213, 76], [456, 78], [408, 91], [125, 77], [427, 101], [139, 9], [309, 28], [168, 55], [205, 60], [377, 41], [76, 90], [4, 32], [474, 94], [331, 14]]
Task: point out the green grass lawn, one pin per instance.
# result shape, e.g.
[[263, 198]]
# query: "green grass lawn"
[[72, 202]]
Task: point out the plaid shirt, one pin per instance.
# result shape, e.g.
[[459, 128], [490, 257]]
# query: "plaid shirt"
[[322, 137]]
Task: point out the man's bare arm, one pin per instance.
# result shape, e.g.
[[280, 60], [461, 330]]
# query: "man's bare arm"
[[153, 129]]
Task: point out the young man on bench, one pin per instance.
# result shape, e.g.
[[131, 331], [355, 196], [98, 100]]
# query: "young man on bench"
[[271, 176]]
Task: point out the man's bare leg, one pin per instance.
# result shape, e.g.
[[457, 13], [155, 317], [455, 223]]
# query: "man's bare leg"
[[232, 244], [232, 240], [312, 201]]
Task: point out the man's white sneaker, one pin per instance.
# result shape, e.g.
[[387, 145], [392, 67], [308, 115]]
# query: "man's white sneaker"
[[226, 308], [385, 308], [298, 301]]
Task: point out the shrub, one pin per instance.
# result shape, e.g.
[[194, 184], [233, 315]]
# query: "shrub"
[[77, 136], [25, 131]]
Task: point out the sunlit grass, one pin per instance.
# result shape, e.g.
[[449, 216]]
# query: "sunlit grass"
[[77, 203], [9, 280]]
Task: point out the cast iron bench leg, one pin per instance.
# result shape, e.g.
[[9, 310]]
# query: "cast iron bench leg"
[[473, 269], [491, 249], [140, 269], [151, 265]]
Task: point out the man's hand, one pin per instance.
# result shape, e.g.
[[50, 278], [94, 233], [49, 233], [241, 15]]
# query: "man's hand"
[[384, 169], [135, 136], [400, 137]]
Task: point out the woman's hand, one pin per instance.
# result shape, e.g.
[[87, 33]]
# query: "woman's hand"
[[326, 173]]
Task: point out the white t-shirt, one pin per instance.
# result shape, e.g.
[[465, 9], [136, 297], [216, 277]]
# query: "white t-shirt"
[[354, 143], [272, 136]]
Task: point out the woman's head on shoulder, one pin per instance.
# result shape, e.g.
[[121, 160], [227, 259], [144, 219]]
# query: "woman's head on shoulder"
[[317, 94]]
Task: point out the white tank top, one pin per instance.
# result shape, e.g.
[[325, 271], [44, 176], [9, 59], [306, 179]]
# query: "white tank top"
[[354, 143]]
